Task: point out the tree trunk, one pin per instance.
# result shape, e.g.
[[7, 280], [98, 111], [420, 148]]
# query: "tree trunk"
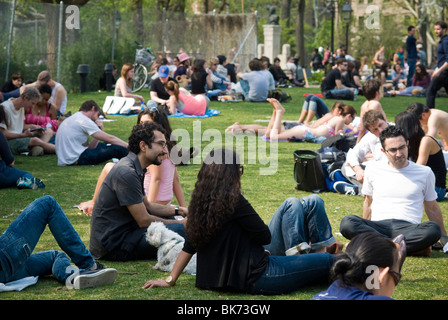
[[300, 33], [286, 11], [137, 20]]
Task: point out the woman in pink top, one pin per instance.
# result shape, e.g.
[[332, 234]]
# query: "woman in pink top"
[[160, 182], [43, 114], [181, 100]]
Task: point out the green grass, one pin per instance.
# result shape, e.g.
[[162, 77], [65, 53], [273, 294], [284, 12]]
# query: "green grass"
[[423, 278]]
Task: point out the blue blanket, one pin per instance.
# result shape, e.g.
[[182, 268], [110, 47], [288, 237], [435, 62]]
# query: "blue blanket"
[[208, 114]]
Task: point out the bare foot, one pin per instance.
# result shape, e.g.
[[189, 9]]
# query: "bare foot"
[[234, 128], [276, 104]]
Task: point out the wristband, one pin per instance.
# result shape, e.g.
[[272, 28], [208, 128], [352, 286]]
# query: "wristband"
[[176, 210]]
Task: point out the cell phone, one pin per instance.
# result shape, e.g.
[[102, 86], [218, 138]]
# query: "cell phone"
[[37, 129]]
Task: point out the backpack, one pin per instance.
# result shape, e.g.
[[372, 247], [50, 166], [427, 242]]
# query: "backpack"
[[308, 172], [280, 95]]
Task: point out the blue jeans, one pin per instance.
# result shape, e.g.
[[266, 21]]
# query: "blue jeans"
[[295, 222], [103, 152], [315, 104], [411, 63], [19, 240], [9, 175]]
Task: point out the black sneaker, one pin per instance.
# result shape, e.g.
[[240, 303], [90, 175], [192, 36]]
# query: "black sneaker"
[[93, 278]]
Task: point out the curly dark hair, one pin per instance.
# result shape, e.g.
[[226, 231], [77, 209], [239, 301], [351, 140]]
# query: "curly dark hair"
[[143, 132], [214, 197]]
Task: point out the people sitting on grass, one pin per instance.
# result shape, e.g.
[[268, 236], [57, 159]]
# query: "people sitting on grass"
[[220, 83], [43, 113], [332, 87], [254, 84], [72, 139], [11, 88], [353, 273], [24, 138], [396, 192], [236, 250], [159, 96], [122, 212], [161, 182], [276, 131], [19, 261]]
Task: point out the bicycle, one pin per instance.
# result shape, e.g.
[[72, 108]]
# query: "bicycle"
[[142, 57]]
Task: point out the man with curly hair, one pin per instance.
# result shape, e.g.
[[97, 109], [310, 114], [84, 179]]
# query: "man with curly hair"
[[122, 213]]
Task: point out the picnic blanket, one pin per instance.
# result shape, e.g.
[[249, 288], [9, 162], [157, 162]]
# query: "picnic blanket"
[[320, 95]]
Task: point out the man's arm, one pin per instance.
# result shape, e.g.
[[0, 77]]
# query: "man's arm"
[[155, 97], [367, 207], [161, 210], [434, 213], [143, 218], [103, 136], [12, 135], [59, 97]]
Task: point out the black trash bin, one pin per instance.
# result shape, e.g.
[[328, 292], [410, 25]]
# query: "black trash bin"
[[83, 71], [108, 69]]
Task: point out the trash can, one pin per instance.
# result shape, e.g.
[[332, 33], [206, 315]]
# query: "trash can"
[[108, 69], [83, 71]]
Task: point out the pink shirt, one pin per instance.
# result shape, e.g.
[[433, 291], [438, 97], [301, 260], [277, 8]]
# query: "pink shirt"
[[166, 181], [42, 121], [193, 105]]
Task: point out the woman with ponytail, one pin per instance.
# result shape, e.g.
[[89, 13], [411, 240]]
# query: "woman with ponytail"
[[369, 269], [182, 101]]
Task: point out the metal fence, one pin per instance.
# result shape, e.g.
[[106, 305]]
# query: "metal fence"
[[59, 38]]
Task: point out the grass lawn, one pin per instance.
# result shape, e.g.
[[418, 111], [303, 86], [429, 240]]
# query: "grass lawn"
[[423, 278]]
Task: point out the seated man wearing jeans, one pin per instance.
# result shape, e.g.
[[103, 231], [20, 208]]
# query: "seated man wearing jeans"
[[396, 191], [72, 139], [332, 87]]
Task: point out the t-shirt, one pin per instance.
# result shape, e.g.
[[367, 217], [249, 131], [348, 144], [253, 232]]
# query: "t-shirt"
[[398, 193], [72, 137], [329, 82], [411, 47], [258, 84], [112, 225], [198, 82], [15, 118], [337, 292], [159, 87]]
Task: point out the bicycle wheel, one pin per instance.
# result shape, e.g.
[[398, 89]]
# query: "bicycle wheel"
[[140, 77]]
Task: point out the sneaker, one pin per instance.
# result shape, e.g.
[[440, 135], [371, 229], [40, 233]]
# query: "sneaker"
[[299, 249], [93, 278], [345, 188], [29, 183]]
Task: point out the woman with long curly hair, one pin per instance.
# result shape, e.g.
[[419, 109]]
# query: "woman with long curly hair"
[[236, 250]]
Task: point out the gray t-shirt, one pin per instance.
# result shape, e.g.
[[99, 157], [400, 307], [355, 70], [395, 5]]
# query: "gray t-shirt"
[[112, 225], [258, 85]]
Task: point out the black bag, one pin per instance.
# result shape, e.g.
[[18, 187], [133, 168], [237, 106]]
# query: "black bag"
[[343, 142], [308, 172]]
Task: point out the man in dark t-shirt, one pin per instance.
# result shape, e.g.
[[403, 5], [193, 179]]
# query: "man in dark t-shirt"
[[122, 213], [332, 87]]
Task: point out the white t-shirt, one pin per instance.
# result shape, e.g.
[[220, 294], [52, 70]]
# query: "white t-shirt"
[[15, 118], [398, 193], [368, 144], [72, 137]]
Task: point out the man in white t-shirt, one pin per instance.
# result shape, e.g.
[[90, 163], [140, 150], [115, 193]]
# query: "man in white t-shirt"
[[24, 137], [396, 191], [72, 139]]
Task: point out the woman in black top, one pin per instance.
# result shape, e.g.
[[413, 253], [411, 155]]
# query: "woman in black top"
[[232, 241], [200, 79], [423, 149]]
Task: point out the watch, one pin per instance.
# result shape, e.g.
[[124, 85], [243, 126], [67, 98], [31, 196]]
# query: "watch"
[[176, 210], [170, 281]]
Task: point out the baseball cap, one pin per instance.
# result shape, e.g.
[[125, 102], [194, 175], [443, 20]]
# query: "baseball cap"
[[164, 71]]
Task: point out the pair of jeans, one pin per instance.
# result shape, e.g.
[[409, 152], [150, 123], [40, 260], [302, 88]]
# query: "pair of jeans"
[[102, 153], [10, 175], [418, 236], [17, 243], [298, 221], [315, 104], [412, 62], [343, 94], [436, 84]]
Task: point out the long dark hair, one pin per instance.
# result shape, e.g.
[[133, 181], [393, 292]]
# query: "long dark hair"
[[198, 66], [409, 123], [215, 195], [421, 75]]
